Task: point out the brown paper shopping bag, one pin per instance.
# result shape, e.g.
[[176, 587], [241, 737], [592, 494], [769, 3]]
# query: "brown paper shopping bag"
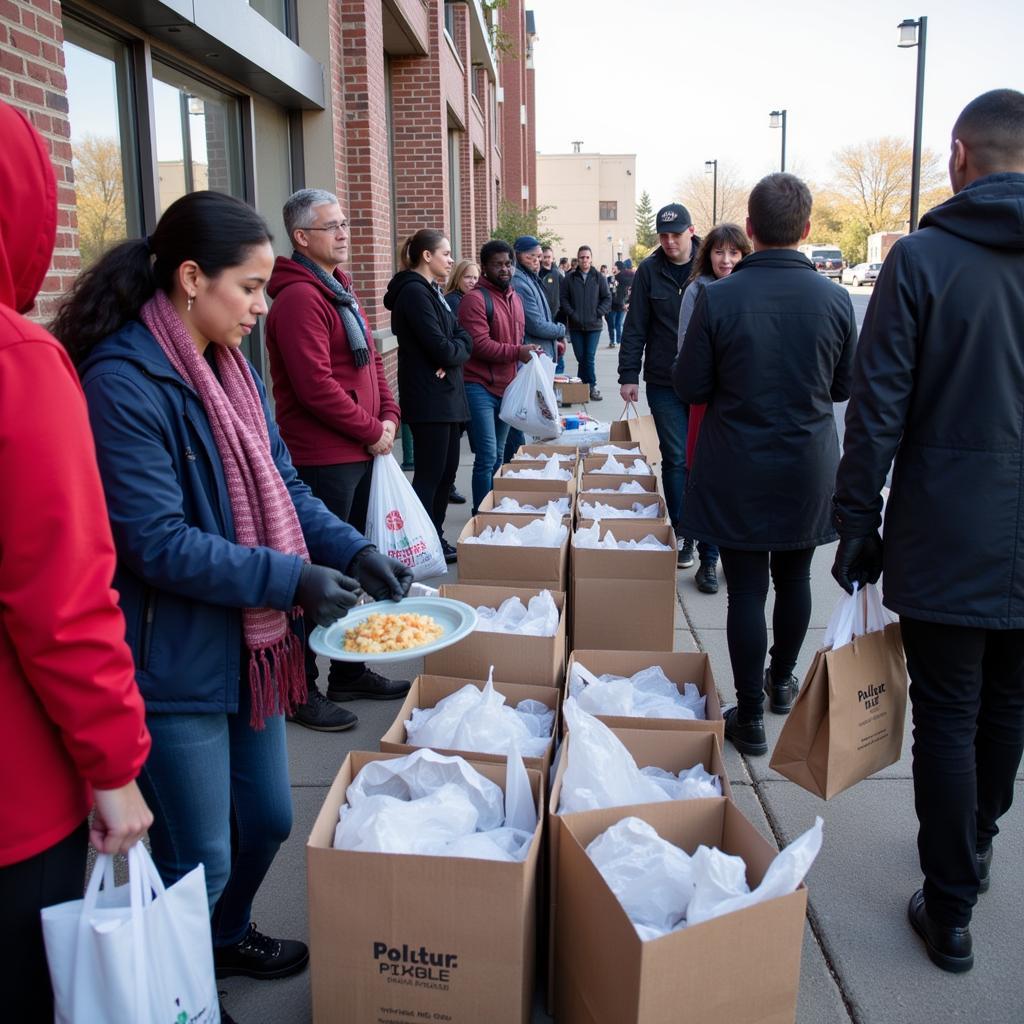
[[634, 427], [847, 721]]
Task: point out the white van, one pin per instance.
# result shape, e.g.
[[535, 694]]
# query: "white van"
[[827, 259]]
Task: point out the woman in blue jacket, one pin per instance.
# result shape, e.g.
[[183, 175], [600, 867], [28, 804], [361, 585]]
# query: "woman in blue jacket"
[[220, 547]]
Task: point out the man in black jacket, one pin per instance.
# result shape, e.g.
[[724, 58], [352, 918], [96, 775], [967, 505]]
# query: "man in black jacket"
[[585, 299], [551, 280], [650, 337], [938, 384]]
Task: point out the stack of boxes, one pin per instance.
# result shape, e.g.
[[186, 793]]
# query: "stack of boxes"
[[397, 937]]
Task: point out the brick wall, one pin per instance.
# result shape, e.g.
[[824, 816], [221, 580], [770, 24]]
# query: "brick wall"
[[32, 79]]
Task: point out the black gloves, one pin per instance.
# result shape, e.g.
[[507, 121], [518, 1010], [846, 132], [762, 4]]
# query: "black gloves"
[[858, 560], [381, 577], [325, 595]]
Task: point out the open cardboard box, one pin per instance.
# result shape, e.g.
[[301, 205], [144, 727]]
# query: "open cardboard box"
[[624, 599], [403, 937], [592, 463], [428, 691], [503, 482], [681, 667], [673, 751], [539, 499], [626, 501], [532, 660], [572, 392], [496, 565], [543, 451], [607, 975], [597, 481]]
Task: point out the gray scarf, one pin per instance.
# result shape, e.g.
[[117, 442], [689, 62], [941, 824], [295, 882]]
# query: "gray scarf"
[[346, 305]]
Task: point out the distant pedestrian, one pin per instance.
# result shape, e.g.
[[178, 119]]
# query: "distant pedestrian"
[[722, 249], [432, 350], [492, 314], [938, 385], [619, 286], [586, 299], [769, 349], [551, 280], [461, 281], [649, 337], [563, 266]]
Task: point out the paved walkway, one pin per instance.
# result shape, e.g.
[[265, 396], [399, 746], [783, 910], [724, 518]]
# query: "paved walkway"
[[861, 962]]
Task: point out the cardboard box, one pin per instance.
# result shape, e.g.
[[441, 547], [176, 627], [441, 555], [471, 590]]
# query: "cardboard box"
[[507, 484], [596, 481], [402, 937], [539, 499], [428, 691], [681, 667], [572, 393], [606, 975], [672, 751], [531, 660], [624, 600], [626, 501], [545, 451], [494, 565], [592, 463]]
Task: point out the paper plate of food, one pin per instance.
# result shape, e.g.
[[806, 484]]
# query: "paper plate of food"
[[384, 631]]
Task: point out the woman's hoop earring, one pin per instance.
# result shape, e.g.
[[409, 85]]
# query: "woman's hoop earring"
[[188, 305]]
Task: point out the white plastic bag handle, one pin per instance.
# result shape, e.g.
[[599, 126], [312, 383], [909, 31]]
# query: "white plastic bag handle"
[[856, 614]]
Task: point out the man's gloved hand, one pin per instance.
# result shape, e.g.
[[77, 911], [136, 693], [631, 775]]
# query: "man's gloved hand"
[[858, 560], [381, 577], [325, 595]]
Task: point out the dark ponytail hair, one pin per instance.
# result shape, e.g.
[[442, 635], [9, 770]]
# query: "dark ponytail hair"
[[413, 248], [215, 230], [721, 234]]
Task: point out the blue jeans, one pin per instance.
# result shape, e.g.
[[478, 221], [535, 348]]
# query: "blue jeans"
[[671, 418], [220, 797], [514, 439], [584, 344], [615, 319], [487, 435]]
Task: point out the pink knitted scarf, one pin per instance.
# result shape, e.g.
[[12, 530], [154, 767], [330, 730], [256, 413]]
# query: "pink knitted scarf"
[[262, 508]]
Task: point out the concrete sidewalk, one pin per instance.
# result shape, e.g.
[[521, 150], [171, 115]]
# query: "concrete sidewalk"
[[861, 962]]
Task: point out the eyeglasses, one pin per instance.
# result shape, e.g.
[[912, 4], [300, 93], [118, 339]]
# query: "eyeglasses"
[[334, 229]]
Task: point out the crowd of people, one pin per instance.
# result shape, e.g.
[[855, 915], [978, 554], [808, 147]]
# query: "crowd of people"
[[167, 541]]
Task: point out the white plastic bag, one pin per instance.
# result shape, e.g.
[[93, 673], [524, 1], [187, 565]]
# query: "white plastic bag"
[[629, 487], [529, 402], [613, 467], [509, 506], [548, 532], [590, 537], [854, 615], [553, 470], [538, 618], [521, 456], [397, 523], [648, 693], [138, 952], [598, 510]]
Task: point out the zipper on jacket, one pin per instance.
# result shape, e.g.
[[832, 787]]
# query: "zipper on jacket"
[[148, 614]]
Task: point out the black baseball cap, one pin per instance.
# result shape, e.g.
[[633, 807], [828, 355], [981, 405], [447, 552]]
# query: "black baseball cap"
[[673, 219]]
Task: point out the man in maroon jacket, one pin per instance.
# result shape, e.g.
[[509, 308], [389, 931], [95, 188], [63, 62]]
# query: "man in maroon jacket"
[[334, 407]]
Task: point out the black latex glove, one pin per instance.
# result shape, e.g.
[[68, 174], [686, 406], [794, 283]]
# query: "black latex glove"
[[858, 560], [381, 577], [325, 595]]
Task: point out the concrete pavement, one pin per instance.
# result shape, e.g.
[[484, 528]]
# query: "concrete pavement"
[[861, 962]]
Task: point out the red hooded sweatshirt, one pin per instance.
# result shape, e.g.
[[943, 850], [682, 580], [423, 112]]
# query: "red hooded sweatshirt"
[[496, 344], [72, 715], [328, 409]]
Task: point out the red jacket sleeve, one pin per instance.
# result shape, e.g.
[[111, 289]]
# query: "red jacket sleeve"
[[303, 325], [473, 317], [56, 564]]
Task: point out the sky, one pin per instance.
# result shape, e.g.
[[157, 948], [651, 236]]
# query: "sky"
[[679, 82]]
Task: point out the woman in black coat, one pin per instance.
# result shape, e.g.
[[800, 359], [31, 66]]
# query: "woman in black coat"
[[431, 350], [769, 349]]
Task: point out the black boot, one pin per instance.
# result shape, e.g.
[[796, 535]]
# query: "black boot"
[[451, 554], [781, 693], [948, 947], [746, 735], [260, 956], [320, 714], [684, 557], [454, 498], [370, 684], [706, 577]]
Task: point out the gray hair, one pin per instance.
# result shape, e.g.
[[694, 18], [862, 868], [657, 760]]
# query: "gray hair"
[[298, 209]]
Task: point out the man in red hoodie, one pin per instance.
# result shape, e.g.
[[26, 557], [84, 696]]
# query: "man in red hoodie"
[[72, 733], [334, 407], [492, 314]]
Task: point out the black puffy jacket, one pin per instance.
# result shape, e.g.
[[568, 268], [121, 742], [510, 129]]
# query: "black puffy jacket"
[[769, 349], [585, 300], [939, 384]]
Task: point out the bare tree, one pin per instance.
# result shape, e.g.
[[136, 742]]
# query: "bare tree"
[[696, 194], [99, 188]]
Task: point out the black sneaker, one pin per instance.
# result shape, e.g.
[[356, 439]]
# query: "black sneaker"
[[454, 498], [984, 858], [781, 693], [320, 714], [747, 737], [260, 956], [706, 577], [684, 559], [451, 554], [595, 395], [371, 685]]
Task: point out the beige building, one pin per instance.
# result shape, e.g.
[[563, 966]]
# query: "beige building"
[[593, 200]]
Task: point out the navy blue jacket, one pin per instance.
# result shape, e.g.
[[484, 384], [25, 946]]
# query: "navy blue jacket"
[[182, 579]]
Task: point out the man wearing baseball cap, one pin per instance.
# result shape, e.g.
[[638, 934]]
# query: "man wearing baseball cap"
[[649, 338]]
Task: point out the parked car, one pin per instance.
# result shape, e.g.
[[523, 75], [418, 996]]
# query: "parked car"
[[862, 273], [827, 259]]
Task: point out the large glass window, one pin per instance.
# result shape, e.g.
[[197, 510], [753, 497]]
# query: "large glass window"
[[198, 136], [103, 151], [275, 11]]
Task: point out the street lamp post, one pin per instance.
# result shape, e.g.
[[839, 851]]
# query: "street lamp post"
[[914, 33], [711, 167], [777, 119]]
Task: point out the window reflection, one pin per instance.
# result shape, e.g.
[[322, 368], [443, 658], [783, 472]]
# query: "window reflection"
[[273, 11]]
